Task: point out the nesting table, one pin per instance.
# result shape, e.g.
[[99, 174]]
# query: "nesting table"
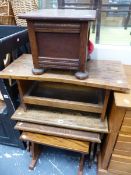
[[61, 111]]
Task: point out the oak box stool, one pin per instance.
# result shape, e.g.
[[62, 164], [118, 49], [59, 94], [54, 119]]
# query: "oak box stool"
[[59, 39]]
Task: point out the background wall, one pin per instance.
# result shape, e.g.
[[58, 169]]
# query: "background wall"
[[109, 52]]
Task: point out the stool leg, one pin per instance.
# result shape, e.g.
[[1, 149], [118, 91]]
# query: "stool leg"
[[28, 146], [91, 155], [35, 149], [81, 165], [29, 149]]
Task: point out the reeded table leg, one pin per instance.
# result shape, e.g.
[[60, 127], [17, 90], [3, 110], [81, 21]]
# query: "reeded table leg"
[[36, 150], [81, 165]]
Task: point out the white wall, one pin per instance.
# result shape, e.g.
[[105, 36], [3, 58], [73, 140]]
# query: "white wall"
[[109, 52]]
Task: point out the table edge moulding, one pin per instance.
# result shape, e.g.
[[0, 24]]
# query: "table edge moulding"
[[103, 74], [60, 14]]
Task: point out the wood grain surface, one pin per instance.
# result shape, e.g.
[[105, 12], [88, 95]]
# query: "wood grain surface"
[[64, 104], [117, 172], [101, 74], [116, 117], [124, 137], [60, 14], [128, 114], [107, 149], [122, 145], [122, 152], [127, 121], [120, 166], [59, 132], [121, 158], [71, 120], [70, 144], [62, 96], [126, 129], [121, 99]]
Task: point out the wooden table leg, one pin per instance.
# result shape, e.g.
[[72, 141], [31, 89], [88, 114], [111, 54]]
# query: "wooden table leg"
[[84, 31], [28, 146], [81, 165], [91, 156], [107, 95], [35, 149]]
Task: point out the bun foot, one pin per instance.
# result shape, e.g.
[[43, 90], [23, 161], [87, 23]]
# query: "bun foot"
[[37, 71], [81, 75]]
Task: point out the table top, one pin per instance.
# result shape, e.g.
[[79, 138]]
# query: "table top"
[[60, 14], [102, 74], [64, 119], [122, 99], [58, 131]]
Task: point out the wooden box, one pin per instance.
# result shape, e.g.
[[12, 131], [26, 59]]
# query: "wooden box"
[[59, 39]]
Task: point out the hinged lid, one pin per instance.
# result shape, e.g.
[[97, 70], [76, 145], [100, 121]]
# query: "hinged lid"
[[60, 14]]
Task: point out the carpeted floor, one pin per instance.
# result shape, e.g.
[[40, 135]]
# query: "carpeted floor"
[[14, 161]]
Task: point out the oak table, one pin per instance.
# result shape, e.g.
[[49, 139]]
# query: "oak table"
[[54, 89], [54, 105]]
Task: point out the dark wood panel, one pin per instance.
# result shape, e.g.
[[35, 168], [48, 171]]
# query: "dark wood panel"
[[55, 66], [58, 45], [61, 63], [59, 59], [84, 32], [57, 27]]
